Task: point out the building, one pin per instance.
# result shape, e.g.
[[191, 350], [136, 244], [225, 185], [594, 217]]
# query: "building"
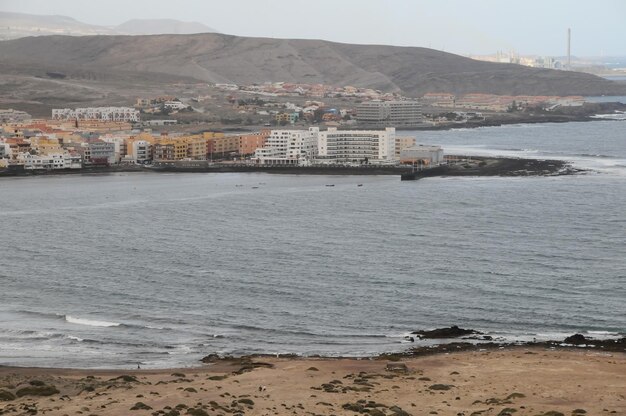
[[170, 149], [119, 114], [196, 147], [13, 116], [140, 151], [99, 152], [51, 161], [221, 146], [389, 113], [357, 146], [403, 143], [284, 118], [422, 155], [289, 147], [248, 143]]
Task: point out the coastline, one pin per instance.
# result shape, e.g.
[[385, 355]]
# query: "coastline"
[[520, 380], [465, 166]]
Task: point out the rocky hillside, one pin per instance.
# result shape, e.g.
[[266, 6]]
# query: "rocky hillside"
[[213, 57]]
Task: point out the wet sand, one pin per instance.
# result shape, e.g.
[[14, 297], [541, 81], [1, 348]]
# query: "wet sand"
[[511, 381]]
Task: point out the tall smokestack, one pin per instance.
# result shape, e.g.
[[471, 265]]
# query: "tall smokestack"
[[569, 43]]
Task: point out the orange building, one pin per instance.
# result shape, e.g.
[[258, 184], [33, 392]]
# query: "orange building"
[[248, 143]]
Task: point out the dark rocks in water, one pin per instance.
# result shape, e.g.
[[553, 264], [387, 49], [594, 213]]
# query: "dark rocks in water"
[[577, 339], [451, 332], [211, 358]]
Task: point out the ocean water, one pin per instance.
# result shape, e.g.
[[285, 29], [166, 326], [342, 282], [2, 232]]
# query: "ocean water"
[[116, 270]]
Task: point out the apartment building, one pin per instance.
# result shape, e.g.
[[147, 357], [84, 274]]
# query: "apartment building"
[[289, 147], [403, 143], [170, 149], [357, 146], [52, 161], [123, 114], [424, 155], [389, 113], [248, 143]]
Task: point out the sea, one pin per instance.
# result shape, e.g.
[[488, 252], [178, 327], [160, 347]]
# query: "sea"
[[158, 270]]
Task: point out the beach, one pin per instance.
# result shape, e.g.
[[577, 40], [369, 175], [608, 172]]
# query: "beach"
[[515, 380]]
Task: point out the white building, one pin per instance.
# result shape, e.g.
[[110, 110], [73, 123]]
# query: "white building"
[[50, 161], [124, 114], [289, 147], [142, 151], [423, 155], [174, 105], [389, 113], [357, 146]]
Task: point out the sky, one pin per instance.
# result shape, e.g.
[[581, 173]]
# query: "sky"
[[467, 27]]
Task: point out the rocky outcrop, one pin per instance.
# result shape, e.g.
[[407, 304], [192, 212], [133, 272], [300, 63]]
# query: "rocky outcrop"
[[441, 333]]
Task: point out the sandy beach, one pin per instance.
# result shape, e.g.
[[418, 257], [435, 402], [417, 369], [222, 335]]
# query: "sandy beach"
[[519, 381]]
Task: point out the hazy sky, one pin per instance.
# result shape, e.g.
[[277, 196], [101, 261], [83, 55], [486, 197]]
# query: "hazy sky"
[[459, 26]]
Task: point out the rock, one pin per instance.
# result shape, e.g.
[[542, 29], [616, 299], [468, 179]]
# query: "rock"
[[211, 358], [577, 339], [451, 332], [397, 367]]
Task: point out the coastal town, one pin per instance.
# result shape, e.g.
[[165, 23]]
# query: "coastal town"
[[358, 131], [108, 136]]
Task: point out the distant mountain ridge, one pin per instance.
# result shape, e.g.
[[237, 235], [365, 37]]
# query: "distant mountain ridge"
[[212, 57], [19, 25]]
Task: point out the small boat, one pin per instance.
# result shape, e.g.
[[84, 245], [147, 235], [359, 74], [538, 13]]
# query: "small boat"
[[255, 187], [331, 185], [360, 184]]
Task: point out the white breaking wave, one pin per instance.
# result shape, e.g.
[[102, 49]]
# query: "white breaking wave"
[[598, 163], [89, 322]]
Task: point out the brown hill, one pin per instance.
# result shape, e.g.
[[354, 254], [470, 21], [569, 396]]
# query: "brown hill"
[[213, 57]]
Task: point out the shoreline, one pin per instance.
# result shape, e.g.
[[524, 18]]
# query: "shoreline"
[[522, 380], [466, 166], [470, 341]]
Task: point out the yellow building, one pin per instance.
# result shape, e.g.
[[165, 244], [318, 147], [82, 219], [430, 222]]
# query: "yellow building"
[[45, 145], [170, 149], [196, 146], [403, 143]]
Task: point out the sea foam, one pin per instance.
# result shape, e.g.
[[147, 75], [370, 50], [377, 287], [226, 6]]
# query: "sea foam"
[[89, 322]]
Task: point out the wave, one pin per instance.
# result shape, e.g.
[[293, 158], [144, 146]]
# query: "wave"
[[89, 322]]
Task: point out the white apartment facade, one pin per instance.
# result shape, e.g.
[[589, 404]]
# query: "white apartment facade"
[[50, 161], [289, 147], [122, 114], [377, 113], [357, 146]]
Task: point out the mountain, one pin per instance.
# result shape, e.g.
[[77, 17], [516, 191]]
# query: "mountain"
[[160, 26], [212, 57], [19, 25]]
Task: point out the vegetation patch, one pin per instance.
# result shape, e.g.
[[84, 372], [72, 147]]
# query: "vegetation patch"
[[442, 387], [140, 406], [37, 391], [6, 396]]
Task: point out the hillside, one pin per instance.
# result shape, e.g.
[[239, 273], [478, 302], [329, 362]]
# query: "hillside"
[[212, 57], [20, 25]]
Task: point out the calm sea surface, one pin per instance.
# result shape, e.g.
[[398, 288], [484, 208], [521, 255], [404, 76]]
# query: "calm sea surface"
[[162, 269]]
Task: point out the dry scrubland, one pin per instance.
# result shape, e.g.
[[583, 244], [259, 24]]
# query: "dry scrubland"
[[519, 381]]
